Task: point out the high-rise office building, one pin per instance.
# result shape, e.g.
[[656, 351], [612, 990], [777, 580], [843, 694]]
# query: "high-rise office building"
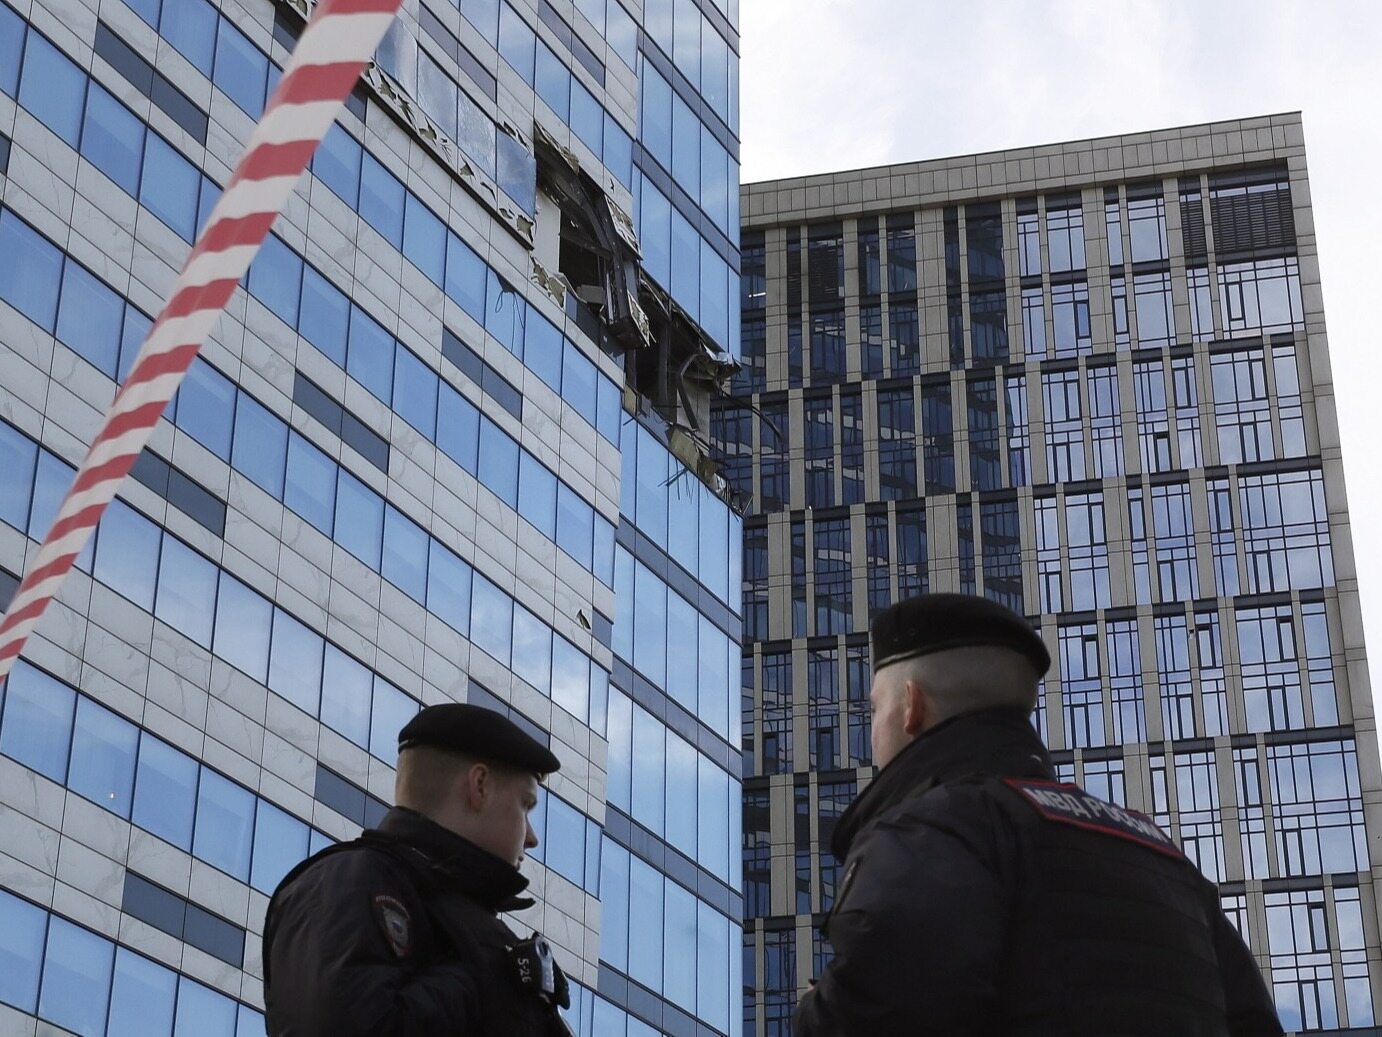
[[1090, 381], [448, 443]]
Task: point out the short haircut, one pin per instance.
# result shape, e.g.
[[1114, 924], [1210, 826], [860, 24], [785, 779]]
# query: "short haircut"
[[427, 776], [962, 680]]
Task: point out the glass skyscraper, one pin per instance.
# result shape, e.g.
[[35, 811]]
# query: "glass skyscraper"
[[448, 443], [1090, 381]]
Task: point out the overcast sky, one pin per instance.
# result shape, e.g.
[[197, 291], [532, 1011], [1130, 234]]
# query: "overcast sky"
[[840, 84]]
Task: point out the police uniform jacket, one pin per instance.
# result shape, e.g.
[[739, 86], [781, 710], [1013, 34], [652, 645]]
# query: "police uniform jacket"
[[970, 904], [397, 934]]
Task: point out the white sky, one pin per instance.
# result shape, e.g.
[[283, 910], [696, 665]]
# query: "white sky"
[[839, 84]]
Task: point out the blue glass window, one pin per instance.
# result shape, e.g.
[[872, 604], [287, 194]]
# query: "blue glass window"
[[424, 239], [651, 486], [206, 408], [570, 677], [686, 265], [391, 710], [359, 519], [225, 822], [532, 649], [458, 429], [76, 978], [491, 619], [51, 482], [618, 151], [516, 42], [295, 662], [190, 26], [621, 32], [415, 393], [553, 82], [241, 69], [141, 1000], [325, 318], [712, 821], [714, 293], [90, 317], [202, 1012], [280, 841], [261, 445], [655, 228], [113, 139], [587, 117], [465, 277], [370, 357], [137, 327], [649, 753], [210, 193], [32, 271], [565, 840], [498, 467], [448, 588], [37, 727], [686, 147], [18, 456], [11, 47], [405, 554], [170, 186], [537, 494], [505, 313], [715, 651], [604, 551], [104, 748], [645, 935], [337, 164], [310, 488], [714, 179], [682, 651], [346, 696], [681, 794], [656, 124], [248, 1022], [686, 45], [186, 591], [275, 279], [620, 735], [244, 619], [53, 88], [712, 964], [381, 200], [542, 350], [22, 928], [679, 947], [578, 382], [614, 906], [575, 525], [165, 792], [484, 15]]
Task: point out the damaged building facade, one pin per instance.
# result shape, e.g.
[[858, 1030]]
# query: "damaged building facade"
[[449, 443], [1090, 381]]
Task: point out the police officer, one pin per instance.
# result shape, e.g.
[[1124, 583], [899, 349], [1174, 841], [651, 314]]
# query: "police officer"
[[979, 896], [397, 932]]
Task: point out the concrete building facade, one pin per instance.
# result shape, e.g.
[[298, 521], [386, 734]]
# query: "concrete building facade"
[[1091, 381], [448, 443]]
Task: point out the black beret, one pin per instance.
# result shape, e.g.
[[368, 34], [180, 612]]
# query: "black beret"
[[934, 622], [479, 732]]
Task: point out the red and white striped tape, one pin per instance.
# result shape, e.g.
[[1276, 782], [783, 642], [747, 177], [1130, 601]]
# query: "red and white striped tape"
[[340, 38]]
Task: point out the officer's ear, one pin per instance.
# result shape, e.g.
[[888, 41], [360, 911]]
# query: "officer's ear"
[[477, 783], [917, 710]]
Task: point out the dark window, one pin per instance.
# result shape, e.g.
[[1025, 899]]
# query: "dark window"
[[897, 458], [985, 461], [1251, 212], [984, 240], [938, 436]]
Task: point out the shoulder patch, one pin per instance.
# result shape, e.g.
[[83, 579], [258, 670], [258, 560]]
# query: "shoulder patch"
[[395, 923], [1072, 805]]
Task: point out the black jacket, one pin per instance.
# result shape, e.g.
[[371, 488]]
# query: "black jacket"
[[974, 905], [397, 934]]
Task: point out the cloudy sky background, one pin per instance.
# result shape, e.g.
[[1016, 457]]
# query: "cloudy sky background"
[[840, 84]]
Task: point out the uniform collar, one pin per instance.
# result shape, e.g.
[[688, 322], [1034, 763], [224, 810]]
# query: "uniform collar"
[[989, 742], [456, 862]]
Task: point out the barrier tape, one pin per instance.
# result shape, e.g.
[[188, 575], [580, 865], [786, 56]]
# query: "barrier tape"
[[339, 40]]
